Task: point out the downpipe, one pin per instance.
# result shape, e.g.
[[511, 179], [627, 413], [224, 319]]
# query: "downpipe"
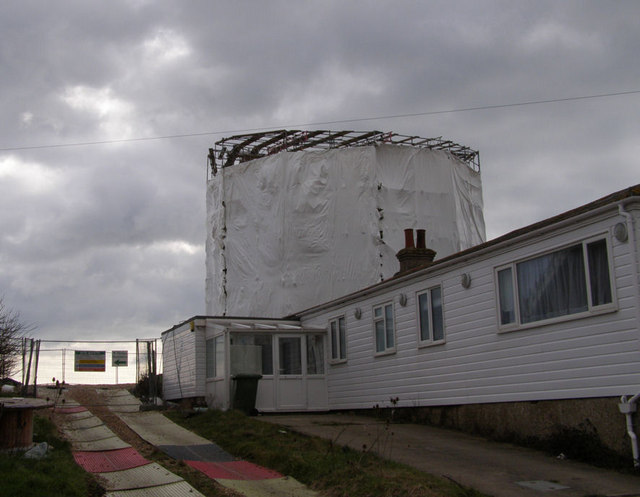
[[628, 407]]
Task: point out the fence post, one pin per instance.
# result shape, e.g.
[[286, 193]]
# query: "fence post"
[[35, 370], [25, 384]]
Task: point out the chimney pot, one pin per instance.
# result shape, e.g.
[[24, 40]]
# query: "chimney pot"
[[408, 238], [412, 256]]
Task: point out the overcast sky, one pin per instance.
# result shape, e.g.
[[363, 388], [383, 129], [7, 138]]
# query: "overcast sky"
[[107, 240]]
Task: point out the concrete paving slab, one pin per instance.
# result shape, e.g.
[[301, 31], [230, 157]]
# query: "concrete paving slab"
[[159, 430], [109, 460], [71, 409], [121, 401], [148, 475], [76, 414], [83, 423], [111, 443], [490, 467], [179, 489], [276, 487], [88, 434], [113, 392], [208, 452], [234, 470]]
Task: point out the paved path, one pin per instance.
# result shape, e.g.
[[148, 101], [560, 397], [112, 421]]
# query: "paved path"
[[243, 477], [501, 470], [121, 469]]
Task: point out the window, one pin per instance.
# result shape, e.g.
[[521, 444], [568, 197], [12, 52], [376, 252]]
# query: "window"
[[210, 358], [214, 357], [264, 341], [219, 346], [290, 352], [573, 280], [384, 328], [430, 316], [315, 354], [337, 331]]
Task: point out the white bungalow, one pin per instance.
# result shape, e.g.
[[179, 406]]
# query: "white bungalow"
[[549, 312]]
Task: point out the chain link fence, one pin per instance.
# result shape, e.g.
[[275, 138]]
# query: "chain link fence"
[[110, 362]]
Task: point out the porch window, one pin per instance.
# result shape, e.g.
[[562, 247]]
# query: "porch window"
[[430, 316], [571, 281], [264, 341], [338, 334], [384, 327], [290, 349], [214, 357], [210, 358], [315, 354], [219, 348]]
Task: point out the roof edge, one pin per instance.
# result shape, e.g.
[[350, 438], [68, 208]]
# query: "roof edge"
[[631, 193]]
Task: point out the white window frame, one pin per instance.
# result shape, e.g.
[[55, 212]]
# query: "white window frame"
[[592, 310], [383, 318], [322, 361], [430, 341], [341, 340], [211, 357]]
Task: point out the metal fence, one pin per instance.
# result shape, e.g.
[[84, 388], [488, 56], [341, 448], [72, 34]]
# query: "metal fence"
[[87, 362]]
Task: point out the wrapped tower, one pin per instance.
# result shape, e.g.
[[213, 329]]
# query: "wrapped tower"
[[298, 218]]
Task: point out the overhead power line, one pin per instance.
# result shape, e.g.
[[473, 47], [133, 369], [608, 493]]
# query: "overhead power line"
[[325, 123]]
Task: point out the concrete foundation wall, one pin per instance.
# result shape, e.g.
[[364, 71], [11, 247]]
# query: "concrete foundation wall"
[[534, 422]]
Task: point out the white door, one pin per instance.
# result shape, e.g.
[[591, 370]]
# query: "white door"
[[289, 378]]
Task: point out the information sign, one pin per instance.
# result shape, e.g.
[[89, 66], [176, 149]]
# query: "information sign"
[[90, 360], [119, 358]]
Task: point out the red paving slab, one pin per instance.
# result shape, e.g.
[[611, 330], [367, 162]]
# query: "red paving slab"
[[234, 470], [109, 460]]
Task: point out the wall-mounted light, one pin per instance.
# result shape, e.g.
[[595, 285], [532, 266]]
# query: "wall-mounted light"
[[620, 232], [403, 299], [465, 280], [357, 313]]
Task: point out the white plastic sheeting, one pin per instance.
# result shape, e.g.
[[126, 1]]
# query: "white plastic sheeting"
[[296, 229]]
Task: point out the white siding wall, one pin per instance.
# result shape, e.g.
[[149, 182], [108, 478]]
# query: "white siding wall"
[[593, 356], [183, 363]]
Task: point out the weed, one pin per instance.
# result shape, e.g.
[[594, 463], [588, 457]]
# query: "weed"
[[322, 464]]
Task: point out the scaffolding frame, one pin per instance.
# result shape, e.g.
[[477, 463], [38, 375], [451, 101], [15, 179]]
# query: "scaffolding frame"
[[241, 148]]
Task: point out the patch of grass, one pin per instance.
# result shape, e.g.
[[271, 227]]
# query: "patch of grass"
[[56, 474], [321, 464]]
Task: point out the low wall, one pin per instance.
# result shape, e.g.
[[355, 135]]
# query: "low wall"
[[587, 429]]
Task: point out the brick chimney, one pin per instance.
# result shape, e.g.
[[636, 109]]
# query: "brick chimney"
[[414, 255]]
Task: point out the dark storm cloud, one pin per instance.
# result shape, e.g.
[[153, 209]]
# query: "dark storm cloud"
[[109, 238]]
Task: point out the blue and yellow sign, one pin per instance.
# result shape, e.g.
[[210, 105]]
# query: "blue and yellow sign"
[[90, 360]]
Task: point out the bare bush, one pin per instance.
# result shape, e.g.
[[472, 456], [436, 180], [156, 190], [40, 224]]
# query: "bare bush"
[[12, 330]]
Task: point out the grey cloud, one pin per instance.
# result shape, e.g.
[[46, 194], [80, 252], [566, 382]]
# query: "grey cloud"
[[91, 249]]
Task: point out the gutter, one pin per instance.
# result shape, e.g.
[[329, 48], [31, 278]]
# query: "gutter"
[[628, 407]]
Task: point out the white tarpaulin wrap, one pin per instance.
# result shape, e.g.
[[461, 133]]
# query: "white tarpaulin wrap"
[[296, 229]]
